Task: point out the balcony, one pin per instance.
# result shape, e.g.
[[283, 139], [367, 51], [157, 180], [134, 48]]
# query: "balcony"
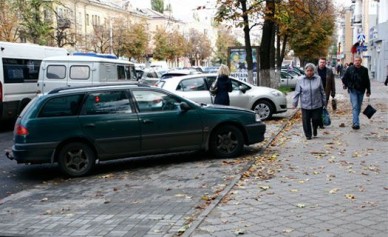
[[63, 23]]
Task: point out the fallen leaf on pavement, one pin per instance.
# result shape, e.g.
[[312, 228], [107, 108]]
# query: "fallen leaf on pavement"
[[350, 196], [334, 190], [288, 230], [239, 232], [265, 187]]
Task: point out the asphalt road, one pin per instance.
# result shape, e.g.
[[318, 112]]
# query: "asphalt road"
[[14, 177]]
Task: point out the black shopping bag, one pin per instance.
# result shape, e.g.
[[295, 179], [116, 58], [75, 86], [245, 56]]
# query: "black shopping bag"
[[369, 111], [334, 104]]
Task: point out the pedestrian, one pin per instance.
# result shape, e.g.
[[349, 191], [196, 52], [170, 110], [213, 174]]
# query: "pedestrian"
[[224, 85], [309, 90], [327, 76], [356, 81], [386, 79], [338, 69]]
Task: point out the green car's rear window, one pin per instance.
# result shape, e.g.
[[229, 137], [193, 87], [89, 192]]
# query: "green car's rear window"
[[61, 106]]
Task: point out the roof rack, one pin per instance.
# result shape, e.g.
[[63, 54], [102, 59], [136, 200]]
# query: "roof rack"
[[99, 55], [59, 89]]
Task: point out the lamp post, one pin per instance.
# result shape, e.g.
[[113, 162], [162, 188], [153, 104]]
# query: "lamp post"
[[111, 36]]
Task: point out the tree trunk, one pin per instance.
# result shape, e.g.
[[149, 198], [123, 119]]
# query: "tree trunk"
[[248, 47], [267, 46]]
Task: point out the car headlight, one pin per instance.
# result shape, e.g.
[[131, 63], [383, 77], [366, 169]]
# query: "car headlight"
[[257, 118], [276, 93]]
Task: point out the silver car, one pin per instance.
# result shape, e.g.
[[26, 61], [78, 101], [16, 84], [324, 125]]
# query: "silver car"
[[263, 100]]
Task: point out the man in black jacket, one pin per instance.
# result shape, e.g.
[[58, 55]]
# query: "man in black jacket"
[[356, 80]]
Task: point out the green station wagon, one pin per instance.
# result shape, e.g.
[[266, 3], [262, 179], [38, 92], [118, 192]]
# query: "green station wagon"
[[78, 127]]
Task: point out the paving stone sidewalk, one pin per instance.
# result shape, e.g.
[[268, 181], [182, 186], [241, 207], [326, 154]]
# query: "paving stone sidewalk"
[[333, 185], [157, 196]]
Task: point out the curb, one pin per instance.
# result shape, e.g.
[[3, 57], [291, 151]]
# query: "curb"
[[218, 199]]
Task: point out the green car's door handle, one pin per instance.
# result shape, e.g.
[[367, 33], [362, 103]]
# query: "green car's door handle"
[[89, 125], [147, 121]]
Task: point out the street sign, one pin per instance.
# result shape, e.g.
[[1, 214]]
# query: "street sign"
[[362, 48], [361, 38]]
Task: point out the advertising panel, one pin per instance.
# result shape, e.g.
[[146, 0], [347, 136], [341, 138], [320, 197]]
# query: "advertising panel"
[[238, 64]]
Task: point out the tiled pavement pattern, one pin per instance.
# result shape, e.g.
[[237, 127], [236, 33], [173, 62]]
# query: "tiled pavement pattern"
[[333, 185], [340, 192], [155, 196]]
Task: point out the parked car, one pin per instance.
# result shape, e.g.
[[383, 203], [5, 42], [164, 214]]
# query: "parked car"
[[211, 69], [288, 80], [179, 72], [148, 76], [263, 100], [197, 68], [77, 127]]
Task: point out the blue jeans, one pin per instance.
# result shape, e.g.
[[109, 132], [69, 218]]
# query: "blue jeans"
[[356, 98]]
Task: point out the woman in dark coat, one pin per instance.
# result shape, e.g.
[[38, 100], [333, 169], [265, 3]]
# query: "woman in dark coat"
[[224, 85]]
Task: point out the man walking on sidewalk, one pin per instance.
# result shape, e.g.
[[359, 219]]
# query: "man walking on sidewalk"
[[327, 77], [356, 80]]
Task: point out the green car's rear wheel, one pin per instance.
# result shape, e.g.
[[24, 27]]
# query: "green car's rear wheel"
[[76, 159]]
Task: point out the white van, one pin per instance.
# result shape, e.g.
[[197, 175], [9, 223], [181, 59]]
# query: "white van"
[[70, 71], [19, 72]]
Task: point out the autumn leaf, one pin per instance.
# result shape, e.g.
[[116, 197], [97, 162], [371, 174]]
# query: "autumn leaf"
[[264, 187], [239, 232], [334, 190], [350, 196]]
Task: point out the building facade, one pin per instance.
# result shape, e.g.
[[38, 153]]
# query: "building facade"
[[364, 31]]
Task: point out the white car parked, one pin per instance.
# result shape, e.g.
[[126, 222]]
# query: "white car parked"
[[263, 100]]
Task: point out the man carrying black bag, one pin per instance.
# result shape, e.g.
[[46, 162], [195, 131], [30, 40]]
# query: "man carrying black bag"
[[356, 80], [327, 77]]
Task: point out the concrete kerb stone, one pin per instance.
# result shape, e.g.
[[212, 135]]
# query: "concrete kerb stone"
[[218, 199]]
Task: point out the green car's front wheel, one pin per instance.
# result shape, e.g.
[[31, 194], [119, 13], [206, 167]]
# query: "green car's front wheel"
[[226, 141]]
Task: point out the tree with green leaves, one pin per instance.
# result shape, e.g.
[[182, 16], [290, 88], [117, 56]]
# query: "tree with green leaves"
[[307, 26], [34, 27], [161, 50], [157, 5], [130, 41], [240, 13]]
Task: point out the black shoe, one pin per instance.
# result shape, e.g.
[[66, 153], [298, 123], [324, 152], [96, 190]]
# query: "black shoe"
[[308, 138], [315, 132], [356, 127], [321, 127]]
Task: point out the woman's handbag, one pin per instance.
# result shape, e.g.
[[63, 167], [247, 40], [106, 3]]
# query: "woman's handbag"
[[213, 88], [326, 117], [369, 111]]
